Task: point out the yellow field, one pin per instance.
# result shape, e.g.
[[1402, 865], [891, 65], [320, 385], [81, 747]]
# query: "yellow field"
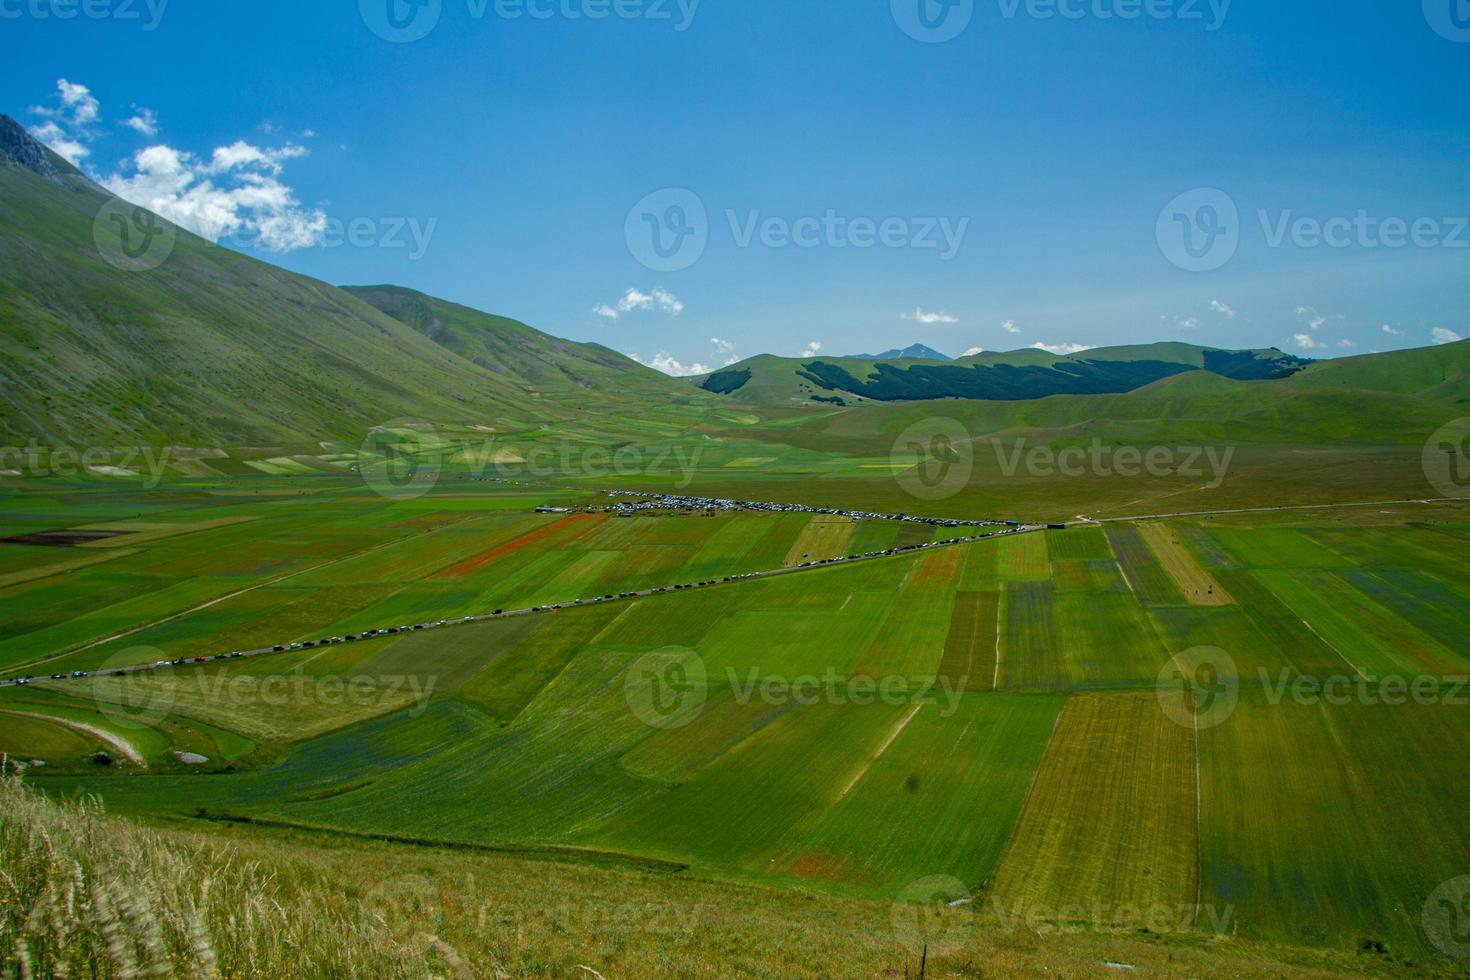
[[825, 536], [1110, 832], [1198, 585]]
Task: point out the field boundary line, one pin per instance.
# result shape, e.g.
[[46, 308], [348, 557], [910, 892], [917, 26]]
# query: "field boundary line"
[[1005, 851], [1199, 855], [892, 737], [116, 741], [999, 610], [1333, 647], [1271, 510]]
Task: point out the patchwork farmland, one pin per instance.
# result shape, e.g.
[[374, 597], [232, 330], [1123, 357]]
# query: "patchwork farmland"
[[1006, 714]]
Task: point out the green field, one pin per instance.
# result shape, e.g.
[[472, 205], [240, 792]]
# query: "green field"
[[989, 714]]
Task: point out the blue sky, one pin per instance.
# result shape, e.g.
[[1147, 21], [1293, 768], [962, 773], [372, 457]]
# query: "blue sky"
[[1236, 174]]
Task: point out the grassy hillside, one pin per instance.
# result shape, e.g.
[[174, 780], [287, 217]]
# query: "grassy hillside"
[[543, 364], [1020, 375], [1435, 373], [213, 348]]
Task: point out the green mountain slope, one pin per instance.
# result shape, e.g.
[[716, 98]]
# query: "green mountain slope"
[[1437, 373], [1012, 376], [543, 364], [213, 348]]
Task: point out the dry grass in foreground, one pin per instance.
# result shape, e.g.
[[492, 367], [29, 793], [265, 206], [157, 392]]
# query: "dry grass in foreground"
[[86, 894]]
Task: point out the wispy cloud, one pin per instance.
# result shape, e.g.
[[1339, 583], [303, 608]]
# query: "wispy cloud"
[[145, 121], [1222, 308], [68, 122], [1062, 349], [973, 351], [1314, 319], [812, 349], [1442, 335], [1305, 341], [1392, 331], [920, 316], [635, 299], [1009, 326], [665, 362]]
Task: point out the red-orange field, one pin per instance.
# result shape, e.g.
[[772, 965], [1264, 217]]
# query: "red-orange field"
[[471, 565]]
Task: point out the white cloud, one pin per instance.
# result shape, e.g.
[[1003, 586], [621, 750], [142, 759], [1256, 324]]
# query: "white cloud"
[[635, 299], [663, 361], [721, 346], [1222, 309], [55, 137], [76, 105], [1009, 326], [812, 349], [145, 122], [1346, 343], [1443, 336], [1391, 331], [973, 351], [67, 122], [236, 194], [920, 316], [1305, 341], [1315, 320], [1186, 322], [1063, 349]]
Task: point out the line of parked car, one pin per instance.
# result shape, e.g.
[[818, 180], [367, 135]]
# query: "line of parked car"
[[1010, 528]]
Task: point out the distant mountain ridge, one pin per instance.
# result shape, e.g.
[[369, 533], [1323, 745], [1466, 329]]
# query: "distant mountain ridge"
[[914, 352], [990, 376]]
